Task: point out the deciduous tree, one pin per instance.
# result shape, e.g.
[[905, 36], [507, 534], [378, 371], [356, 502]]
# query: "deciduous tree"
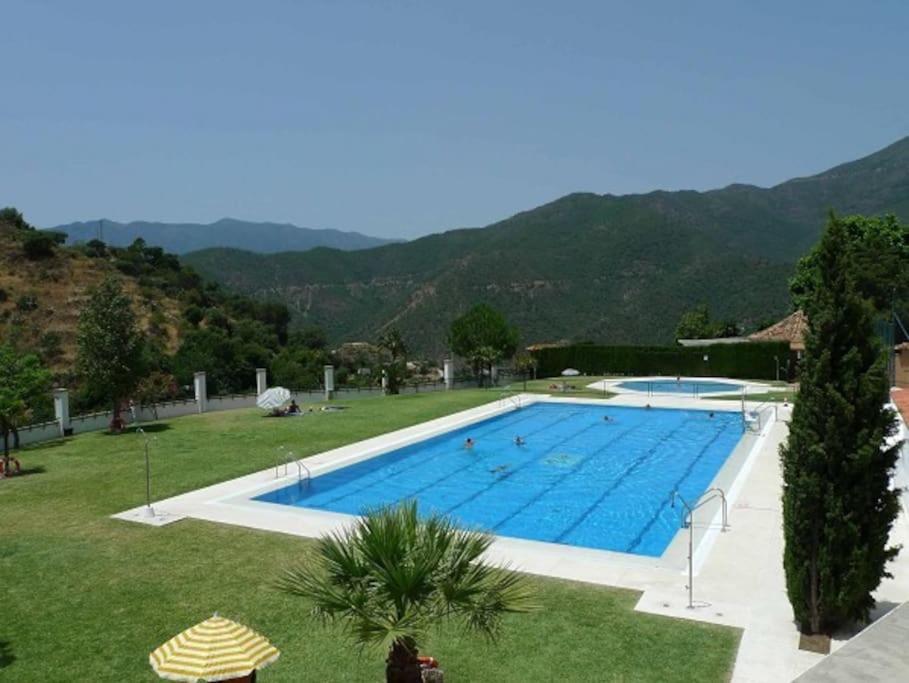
[[110, 346], [24, 385], [482, 336], [878, 258], [393, 344]]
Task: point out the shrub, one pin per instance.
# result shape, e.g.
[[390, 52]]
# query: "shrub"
[[50, 346], [748, 360], [14, 217], [193, 314], [214, 317], [39, 244], [27, 303], [95, 249]]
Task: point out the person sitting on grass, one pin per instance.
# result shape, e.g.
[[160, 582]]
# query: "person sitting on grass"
[[293, 408]]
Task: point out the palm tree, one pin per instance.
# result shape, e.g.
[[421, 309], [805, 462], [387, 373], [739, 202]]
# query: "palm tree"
[[391, 577]]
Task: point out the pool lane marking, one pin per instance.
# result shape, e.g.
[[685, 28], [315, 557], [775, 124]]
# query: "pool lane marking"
[[635, 464], [570, 472], [637, 539], [527, 463]]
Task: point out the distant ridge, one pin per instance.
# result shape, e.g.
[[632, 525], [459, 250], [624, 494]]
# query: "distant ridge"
[[180, 238]]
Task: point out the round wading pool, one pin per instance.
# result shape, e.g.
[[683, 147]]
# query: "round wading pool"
[[683, 386]]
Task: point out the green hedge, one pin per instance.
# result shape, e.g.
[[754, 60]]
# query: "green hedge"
[[748, 360]]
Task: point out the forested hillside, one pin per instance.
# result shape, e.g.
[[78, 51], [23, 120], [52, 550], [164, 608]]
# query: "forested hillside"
[[617, 269]]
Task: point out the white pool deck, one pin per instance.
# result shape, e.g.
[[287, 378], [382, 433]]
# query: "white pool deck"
[[739, 576]]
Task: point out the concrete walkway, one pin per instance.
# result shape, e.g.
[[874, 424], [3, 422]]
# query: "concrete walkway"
[[877, 654]]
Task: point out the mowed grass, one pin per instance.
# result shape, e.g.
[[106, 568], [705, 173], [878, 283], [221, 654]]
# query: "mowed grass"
[[86, 597], [774, 396], [558, 386]]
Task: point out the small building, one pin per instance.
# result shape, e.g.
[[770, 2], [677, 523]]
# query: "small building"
[[790, 329], [901, 366]]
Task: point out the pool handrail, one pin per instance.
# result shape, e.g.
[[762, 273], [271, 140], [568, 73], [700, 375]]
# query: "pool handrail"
[[687, 521]]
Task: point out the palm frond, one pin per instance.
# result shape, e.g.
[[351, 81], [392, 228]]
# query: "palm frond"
[[392, 576]]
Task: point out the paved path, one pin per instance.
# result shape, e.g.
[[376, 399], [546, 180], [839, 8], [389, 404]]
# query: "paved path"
[[879, 653], [901, 398]]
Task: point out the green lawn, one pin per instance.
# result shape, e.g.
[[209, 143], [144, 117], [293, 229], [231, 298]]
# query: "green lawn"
[[86, 597], [574, 386], [780, 396]]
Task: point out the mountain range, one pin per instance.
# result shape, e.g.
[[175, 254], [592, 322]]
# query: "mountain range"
[[616, 269], [180, 238]]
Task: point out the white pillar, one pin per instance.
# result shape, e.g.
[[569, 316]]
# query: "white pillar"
[[201, 391], [494, 374], [384, 381], [261, 381], [329, 382], [61, 409], [448, 372]]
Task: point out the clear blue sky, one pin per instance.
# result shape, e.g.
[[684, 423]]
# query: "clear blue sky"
[[400, 119]]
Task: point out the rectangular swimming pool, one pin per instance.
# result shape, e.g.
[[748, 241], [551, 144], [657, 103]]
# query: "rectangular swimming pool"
[[579, 479]]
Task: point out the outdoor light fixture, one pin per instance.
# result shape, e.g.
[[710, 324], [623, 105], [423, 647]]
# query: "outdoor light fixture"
[[148, 511]]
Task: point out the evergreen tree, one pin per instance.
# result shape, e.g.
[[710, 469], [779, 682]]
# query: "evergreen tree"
[[110, 347], [838, 507]]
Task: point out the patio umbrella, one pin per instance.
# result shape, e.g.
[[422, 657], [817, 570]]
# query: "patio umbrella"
[[570, 372], [218, 649], [273, 398]]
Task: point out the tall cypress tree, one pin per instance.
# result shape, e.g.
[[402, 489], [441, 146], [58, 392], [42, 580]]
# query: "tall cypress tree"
[[838, 507]]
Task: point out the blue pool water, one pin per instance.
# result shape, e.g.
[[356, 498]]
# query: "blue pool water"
[[578, 480], [671, 386]]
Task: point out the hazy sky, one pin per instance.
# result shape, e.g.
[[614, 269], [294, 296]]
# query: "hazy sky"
[[400, 119]]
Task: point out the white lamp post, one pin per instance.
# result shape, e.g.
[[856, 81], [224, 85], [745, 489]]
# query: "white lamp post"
[[149, 511]]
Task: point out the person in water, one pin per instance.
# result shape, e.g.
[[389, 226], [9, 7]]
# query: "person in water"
[[519, 441], [468, 443], [607, 418], [710, 415], [647, 407]]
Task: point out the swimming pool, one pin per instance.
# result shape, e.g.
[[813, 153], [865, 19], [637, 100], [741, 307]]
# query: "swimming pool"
[[685, 386], [578, 480]]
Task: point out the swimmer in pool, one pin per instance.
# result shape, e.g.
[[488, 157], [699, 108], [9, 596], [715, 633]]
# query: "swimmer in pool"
[[606, 418], [519, 441], [468, 443]]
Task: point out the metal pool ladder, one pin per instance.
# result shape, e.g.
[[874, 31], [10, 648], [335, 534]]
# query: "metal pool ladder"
[[513, 399], [289, 458], [687, 521]]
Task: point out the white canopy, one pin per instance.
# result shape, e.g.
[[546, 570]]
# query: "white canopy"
[[273, 398], [570, 372]]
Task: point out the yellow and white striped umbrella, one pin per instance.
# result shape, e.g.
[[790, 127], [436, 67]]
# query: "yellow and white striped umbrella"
[[218, 649]]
